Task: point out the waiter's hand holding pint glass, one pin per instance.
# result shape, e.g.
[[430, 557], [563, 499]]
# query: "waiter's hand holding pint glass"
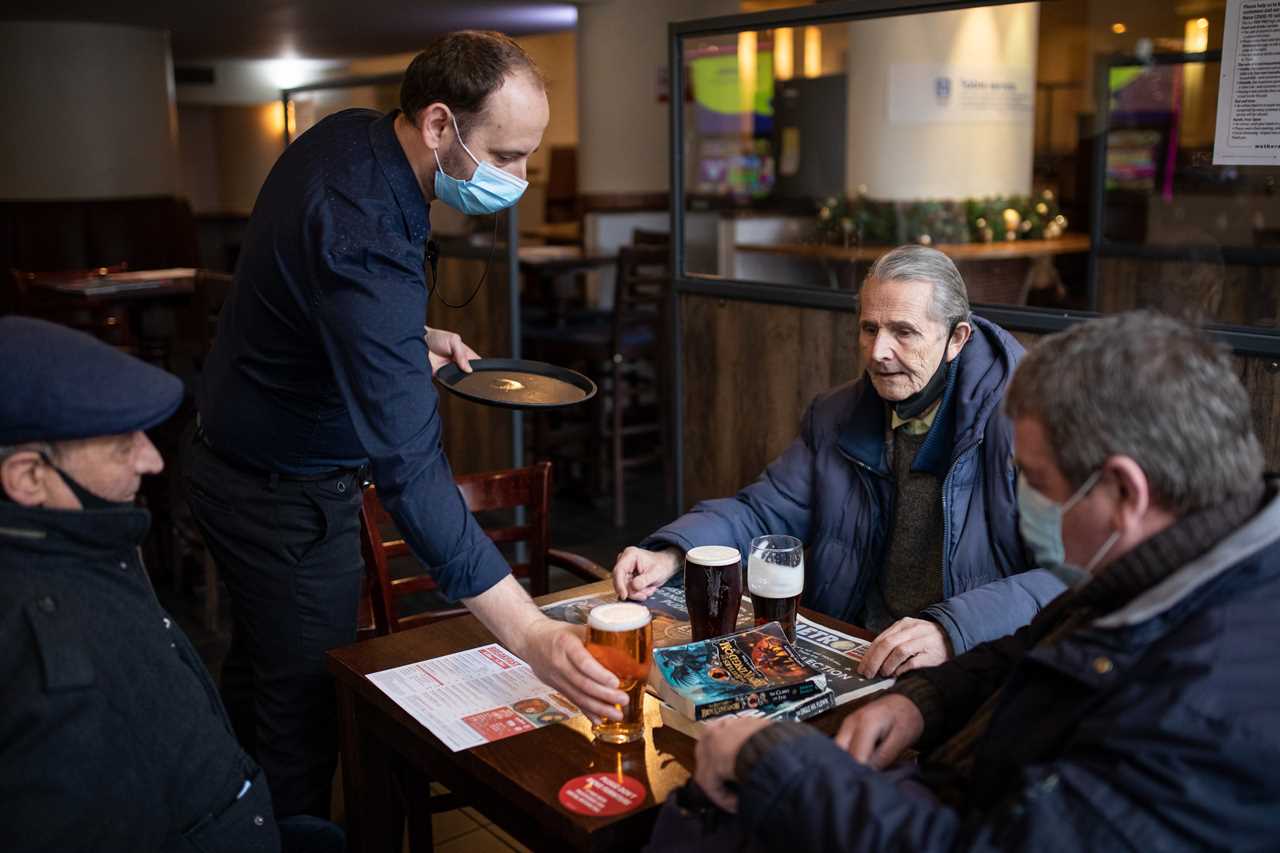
[[775, 578], [712, 590], [620, 636]]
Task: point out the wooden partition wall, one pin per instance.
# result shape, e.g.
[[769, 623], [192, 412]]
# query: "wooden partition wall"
[[476, 438], [751, 368]]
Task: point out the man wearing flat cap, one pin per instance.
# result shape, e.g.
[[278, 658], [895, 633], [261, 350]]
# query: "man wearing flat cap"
[[112, 735]]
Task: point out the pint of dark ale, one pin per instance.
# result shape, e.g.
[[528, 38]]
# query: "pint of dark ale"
[[620, 636], [712, 590], [775, 578]]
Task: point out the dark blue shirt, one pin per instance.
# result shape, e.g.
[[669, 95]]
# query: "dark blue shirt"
[[319, 361]]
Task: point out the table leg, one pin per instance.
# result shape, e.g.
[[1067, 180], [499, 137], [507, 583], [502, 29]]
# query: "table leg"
[[418, 809], [375, 818]]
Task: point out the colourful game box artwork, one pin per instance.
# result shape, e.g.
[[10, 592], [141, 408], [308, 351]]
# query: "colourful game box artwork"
[[749, 669]]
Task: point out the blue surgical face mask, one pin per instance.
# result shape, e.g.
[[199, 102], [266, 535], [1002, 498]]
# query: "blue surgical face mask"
[[1040, 523], [487, 191]]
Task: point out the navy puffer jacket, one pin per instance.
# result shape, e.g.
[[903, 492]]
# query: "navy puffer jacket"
[[833, 489], [1155, 726]]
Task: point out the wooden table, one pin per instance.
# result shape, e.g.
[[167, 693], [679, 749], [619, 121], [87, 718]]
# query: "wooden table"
[[111, 305], [562, 233], [544, 267], [514, 782]]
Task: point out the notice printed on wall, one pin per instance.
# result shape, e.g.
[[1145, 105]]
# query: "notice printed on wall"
[[960, 94], [1248, 128], [474, 697]]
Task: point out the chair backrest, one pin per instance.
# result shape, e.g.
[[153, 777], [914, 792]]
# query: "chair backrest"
[[644, 237], [640, 295], [527, 487]]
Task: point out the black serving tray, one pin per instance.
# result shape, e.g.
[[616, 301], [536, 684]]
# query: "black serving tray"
[[513, 383]]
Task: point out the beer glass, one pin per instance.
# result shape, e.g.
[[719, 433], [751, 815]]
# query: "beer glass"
[[775, 579], [712, 590], [620, 636]]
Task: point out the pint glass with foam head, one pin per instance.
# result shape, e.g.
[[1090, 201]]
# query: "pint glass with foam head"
[[775, 579], [620, 636]]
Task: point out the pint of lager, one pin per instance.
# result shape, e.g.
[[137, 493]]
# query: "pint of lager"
[[620, 636], [712, 590], [775, 578]]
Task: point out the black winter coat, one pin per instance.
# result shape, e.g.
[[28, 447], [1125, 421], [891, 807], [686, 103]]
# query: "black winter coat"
[[112, 734]]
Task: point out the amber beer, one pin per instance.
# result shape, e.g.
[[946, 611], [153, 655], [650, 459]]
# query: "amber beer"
[[775, 579], [620, 636], [712, 590]]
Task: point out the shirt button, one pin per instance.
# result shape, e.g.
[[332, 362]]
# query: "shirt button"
[[1102, 665], [342, 487], [167, 623], [123, 566], [46, 604], [257, 820]]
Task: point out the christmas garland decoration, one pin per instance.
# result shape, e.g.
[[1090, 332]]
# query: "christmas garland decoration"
[[860, 220]]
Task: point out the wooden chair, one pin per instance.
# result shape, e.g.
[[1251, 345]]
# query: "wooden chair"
[[625, 352], [639, 366], [527, 487]]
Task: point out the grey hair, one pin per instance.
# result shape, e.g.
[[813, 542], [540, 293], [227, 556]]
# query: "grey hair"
[[1146, 386], [950, 303]]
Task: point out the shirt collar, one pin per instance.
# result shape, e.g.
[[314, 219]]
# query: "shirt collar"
[[918, 425], [399, 174]]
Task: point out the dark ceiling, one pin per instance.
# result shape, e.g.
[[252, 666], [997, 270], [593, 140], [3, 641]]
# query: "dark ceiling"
[[264, 29]]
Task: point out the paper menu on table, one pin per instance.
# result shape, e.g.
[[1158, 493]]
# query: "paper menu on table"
[[474, 697]]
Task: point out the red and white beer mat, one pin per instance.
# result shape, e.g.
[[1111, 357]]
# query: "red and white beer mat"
[[602, 794]]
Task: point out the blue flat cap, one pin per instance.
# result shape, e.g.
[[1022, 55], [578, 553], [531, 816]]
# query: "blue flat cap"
[[58, 384]]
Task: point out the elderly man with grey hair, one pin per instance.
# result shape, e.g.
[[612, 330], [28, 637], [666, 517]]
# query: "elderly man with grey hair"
[[900, 483], [1141, 709]]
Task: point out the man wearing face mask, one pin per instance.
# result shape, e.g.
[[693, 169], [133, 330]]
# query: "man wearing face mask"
[[112, 737], [1141, 709], [900, 483], [320, 367]]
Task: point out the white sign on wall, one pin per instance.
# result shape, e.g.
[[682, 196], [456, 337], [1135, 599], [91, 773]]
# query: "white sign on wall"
[[961, 94], [1248, 128]]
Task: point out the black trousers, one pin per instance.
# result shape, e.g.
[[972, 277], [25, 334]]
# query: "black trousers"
[[289, 552]]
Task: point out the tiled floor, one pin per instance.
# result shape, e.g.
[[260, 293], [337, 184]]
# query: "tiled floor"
[[468, 830]]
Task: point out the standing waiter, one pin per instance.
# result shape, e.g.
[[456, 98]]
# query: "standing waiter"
[[320, 366]]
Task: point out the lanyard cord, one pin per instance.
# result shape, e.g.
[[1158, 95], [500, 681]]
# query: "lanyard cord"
[[433, 258]]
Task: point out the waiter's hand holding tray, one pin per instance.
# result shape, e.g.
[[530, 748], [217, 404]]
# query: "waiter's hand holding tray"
[[514, 383]]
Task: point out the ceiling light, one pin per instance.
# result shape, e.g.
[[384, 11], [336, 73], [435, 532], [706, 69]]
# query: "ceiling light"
[[1118, 28]]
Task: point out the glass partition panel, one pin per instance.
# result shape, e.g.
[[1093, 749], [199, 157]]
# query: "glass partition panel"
[[1061, 152]]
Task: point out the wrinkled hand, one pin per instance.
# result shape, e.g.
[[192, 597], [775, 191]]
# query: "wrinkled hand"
[[444, 347], [906, 645], [638, 572], [716, 754], [558, 656], [878, 732]]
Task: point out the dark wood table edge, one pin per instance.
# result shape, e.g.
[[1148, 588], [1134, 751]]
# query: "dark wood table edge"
[[391, 740]]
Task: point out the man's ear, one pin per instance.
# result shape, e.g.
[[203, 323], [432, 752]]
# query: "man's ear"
[[434, 121], [1133, 492], [24, 478], [959, 337]]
